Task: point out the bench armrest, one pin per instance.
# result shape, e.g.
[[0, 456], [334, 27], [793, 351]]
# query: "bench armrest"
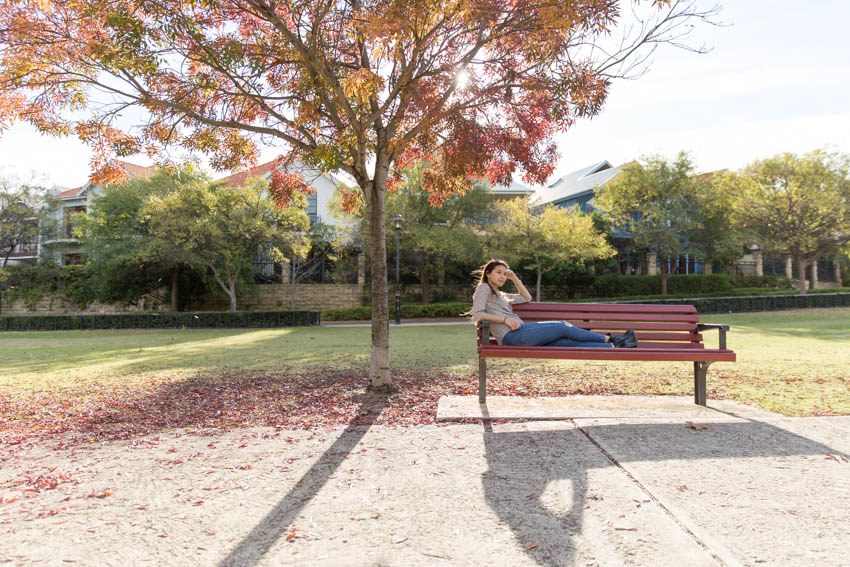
[[485, 332], [721, 328]]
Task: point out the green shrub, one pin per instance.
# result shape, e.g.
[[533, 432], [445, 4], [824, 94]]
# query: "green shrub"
[[31, 283], [408, 311], [769, 281], [700, 283], [347, 314], [614, 285]]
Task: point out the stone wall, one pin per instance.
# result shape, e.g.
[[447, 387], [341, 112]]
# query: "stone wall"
[[276, 297], [58, 305], [267, 298]]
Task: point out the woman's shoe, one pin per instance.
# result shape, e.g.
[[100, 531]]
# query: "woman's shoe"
[[626, 340]]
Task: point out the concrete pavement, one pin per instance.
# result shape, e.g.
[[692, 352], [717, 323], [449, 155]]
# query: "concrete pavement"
[[592, 481]]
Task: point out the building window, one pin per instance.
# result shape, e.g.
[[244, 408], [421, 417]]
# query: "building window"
[[74, 259], [69, 219], [313, 209]]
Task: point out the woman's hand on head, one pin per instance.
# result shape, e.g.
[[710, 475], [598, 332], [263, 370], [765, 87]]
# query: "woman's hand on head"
[[511, 275]]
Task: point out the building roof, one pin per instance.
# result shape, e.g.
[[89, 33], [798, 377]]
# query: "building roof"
[[580, 181], [66, 193], [264, 169], [513, 190], [136, 171], [239, 179], [132, 170]]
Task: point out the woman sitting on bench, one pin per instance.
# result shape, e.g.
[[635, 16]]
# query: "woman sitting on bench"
[[491, 304]]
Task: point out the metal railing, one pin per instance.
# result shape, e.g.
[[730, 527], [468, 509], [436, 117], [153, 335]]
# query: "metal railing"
[[169, 320]]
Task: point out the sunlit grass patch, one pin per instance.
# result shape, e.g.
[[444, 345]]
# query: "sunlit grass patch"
[[791, 362]]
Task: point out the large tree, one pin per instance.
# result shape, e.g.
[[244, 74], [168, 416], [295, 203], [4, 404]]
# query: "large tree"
[[126, 259], [222, 229], [798, 204], [354, 85], [550, 237], [656, 201], [21, 210]]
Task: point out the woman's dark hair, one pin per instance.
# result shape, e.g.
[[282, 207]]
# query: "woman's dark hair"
[[485, 270]]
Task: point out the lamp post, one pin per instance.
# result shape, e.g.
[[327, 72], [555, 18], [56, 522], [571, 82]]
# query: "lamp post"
[[398, 219]]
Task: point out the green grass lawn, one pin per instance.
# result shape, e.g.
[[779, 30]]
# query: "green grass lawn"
[[793, 362]]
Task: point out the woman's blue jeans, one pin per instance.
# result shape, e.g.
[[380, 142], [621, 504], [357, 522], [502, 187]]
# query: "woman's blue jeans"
[[554, 333]]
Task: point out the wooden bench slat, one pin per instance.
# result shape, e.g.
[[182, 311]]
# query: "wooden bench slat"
[[626, 325], [689, 337], [636, 354], [578, 316], [661, 344], [605, 308]]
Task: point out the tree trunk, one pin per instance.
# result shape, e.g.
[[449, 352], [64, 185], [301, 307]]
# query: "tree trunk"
[[292, 265], [707, 267], [813, 282], [422, 268], [232, 293], [665, 275], [175, 279], [229, 287], [539, 279], [801, 273], [379, 369]]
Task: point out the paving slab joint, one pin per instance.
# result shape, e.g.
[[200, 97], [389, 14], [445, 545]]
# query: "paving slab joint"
[[717, 551]]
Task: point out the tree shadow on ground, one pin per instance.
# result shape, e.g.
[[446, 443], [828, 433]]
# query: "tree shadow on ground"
[[273, 527], [523, 464]]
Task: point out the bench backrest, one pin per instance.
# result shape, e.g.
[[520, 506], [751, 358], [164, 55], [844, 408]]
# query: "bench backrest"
[[663, 326]]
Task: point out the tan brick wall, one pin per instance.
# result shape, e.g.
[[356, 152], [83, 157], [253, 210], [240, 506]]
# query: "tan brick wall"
[[276, 297], [267, 298], [57, 305]]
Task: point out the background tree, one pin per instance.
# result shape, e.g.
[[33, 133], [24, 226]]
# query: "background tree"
[[435, 235], [550, 237], [303, 266], [797, 204], [656, 202], [21, 210], [715, 236], [127, 260], [222, 229], [348, 85]]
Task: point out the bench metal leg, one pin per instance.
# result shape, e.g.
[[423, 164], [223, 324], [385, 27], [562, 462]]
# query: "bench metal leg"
[[482, 380], [700, 372]]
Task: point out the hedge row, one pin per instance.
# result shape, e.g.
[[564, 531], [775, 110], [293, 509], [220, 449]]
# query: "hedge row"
[[746, 304], [167, 320], [408, 311], [615, 285]]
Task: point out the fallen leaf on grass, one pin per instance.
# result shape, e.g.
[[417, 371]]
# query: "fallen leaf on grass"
[[696, 426]]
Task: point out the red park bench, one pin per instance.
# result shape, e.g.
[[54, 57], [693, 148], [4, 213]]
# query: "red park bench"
[[664, 332]]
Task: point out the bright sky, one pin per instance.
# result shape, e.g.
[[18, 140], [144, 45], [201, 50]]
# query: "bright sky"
[[776, 80]]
